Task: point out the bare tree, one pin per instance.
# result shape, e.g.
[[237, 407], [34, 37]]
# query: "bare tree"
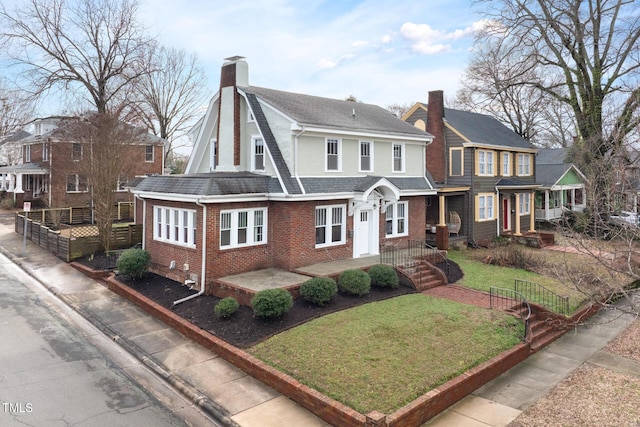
[[171, 95], [93, 47], [587, 52], [400, 109], [15, 110], [491, 85], [106, 159]]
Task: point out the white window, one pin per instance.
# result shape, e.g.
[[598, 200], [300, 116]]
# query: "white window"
[[122, 183], [45, 151], [246, 227], [76, 151], [330, 225], [524, 164], [506, 164], [333, 160], [76, 183], [525, 203], [398, 157], [366, 156], [257, 158], [27, 153], [485, 207], [177, 226], [396, 220], [148, 153], [485, 163]]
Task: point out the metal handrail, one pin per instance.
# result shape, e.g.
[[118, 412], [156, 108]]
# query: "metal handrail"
[[509, 300], [543, 296], [421, 246]]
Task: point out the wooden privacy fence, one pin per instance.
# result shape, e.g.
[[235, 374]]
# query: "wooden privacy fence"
[[75, 216], [72, 242]]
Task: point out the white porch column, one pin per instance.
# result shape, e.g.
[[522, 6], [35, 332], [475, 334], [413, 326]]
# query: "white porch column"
[[18, 188], [12, 180], [546, 205], [3, 182], [517, 231], [532, 216]]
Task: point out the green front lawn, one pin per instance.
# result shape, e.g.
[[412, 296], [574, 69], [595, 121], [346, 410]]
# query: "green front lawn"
[[481, 276], [383, 355]]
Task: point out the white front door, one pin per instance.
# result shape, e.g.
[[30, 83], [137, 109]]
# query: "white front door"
[[363, 239]]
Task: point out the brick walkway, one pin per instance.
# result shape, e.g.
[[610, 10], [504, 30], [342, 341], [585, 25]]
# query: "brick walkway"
[[460, 294]]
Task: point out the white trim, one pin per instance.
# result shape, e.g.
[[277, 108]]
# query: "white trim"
[[328, 225], [338, 142], [403, 157], [371, 159], [409, 138], [392, 209], [250, 226], [254, 139], [169, 226]]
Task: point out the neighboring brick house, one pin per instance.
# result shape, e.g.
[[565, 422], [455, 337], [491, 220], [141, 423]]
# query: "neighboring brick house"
[[283, 180], [50, 172], [483, 171]]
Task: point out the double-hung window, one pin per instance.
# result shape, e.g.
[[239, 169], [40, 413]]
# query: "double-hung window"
[[76, 183], [45, 151], [257, 160], [396, 219], [506, 164], [245, 227], [176, 226], [330, 225], [27, 153], [333, 155], [524, 164], [525, 204], [485, 208], [148, 153], [485, 163], [76, 151], [398, 157], [366, 156]]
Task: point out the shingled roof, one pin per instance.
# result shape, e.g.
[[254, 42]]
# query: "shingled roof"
[[334, 113], [210, 184], [484, 129]]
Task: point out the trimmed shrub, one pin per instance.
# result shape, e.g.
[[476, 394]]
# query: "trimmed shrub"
[[272, 303], [226, 307], [354, 282], [319, 290], [384, 276], [133, 263]]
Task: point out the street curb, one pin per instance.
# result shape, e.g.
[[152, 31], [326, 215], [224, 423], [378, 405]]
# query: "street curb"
[[192, 393]]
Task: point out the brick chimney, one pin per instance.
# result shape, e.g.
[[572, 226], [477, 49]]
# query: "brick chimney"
[[436, 159], [234, 73]]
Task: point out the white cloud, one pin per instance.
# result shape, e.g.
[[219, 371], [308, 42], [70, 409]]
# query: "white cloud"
[[427, 40], [359, 44], [327, 64]]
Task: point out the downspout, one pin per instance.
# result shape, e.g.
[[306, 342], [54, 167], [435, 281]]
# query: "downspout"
[[144, 218], [204, 257]]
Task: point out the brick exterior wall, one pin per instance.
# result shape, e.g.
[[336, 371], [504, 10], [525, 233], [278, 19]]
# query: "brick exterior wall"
[[290, 239], [60, 165]]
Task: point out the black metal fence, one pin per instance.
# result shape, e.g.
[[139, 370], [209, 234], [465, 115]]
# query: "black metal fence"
[[538, 294], [511, 301]]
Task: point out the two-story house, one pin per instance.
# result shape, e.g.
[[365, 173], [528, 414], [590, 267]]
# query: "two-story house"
[[52, 173], [282, 180], [484, 172]]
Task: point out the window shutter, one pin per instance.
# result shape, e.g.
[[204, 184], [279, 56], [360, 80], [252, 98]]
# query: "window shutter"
[[476, 162]]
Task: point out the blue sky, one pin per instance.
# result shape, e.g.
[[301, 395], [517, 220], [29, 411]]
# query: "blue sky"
[[382, 52]]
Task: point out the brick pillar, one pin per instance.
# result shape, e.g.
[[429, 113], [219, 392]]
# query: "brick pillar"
[[376, 419], [442, 237]]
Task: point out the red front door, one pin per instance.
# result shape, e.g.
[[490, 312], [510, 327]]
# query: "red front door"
[[506, 215]]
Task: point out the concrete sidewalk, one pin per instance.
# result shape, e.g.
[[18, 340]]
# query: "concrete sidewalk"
[[220, 389], [236, 399]]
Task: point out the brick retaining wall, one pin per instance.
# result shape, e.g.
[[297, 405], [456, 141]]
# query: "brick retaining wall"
[[414, 414]]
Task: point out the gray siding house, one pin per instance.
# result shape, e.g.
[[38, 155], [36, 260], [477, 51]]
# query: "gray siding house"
[[484, 172]]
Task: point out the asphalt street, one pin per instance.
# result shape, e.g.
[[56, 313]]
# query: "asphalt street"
[[56, 370]]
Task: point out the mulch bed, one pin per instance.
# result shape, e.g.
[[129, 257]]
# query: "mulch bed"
[[243, 329]]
